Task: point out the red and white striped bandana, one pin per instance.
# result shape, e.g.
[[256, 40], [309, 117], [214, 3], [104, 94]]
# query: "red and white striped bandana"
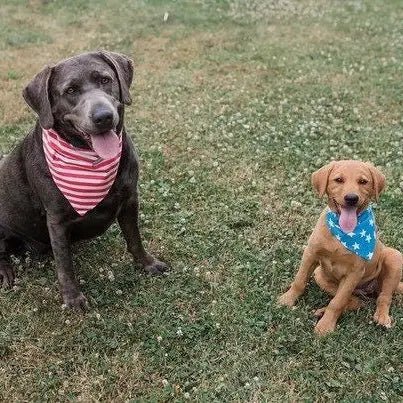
[[81, 175]]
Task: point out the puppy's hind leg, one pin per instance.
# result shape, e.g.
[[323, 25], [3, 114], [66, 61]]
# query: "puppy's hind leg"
[[389, 280], [331, 287]]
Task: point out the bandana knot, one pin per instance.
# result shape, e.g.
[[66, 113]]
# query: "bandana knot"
[[81, 175], [362, 240]]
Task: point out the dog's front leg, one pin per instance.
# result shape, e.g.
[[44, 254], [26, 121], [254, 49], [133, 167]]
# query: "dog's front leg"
[[339, 302], [308, 264], [7, 274], [61, 248], [128, 221]]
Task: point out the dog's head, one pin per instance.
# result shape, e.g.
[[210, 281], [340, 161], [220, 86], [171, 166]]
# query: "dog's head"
[[350, 186], [82, 98]]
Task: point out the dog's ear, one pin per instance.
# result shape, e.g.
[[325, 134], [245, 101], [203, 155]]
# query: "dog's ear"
[[36, 95], [320, 178], [123, 67], [378, 180]]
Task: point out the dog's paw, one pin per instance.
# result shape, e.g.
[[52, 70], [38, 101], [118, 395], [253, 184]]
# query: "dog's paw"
[[156, 268], [324, 327], [77, 302], [383, 319], [319, 312], [7, 276], [287, 299]]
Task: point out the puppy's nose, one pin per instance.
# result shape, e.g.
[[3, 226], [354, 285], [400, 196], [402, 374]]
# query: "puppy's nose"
[[351, 199], [102, 117]]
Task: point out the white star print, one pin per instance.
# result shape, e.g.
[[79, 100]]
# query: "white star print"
[[361, 240]]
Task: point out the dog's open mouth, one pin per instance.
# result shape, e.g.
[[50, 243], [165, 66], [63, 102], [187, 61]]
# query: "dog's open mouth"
[[106, 145], [348, 217]]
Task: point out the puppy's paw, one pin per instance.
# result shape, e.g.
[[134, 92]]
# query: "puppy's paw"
[[156, 268], [324, 327], [7, 276], [319, 312], [383, 319], [287, 299], [77, 302]]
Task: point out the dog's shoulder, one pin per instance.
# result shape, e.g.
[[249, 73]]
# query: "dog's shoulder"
[[321, 239]]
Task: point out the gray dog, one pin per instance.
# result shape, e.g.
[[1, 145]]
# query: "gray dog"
[[76, 171]]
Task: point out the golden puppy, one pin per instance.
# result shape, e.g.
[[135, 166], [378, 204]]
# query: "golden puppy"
[[343, 250]]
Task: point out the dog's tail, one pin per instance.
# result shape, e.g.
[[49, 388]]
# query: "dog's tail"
[[399, 288]]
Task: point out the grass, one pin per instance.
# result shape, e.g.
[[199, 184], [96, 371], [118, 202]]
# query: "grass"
[[235, 103]]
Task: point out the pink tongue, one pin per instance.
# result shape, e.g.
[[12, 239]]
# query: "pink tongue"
[[348, 219], [106, 145]]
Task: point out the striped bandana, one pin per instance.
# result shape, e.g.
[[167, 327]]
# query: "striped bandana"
[[362, 240], [82, 176]]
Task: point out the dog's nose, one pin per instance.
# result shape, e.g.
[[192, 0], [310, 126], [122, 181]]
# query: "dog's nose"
[[102, 117], [351, 199]]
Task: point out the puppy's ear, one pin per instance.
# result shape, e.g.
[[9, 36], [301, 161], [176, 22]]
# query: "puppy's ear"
[[36, 95], [123, 67], [320, 178], [378, 180]]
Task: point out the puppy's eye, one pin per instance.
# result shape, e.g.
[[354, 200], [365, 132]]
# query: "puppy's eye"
[[105, 80], [71, 90], [362, 181], [339, 180]]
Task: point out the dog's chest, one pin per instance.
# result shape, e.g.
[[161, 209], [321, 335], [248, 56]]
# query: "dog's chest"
[[96, 221], [335, 268], [341, 263]]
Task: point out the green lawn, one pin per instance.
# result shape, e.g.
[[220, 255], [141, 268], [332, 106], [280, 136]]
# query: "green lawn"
[[236, 102]]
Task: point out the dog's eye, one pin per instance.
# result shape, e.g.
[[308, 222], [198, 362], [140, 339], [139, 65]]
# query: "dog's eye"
[[339, 180], [105, 80], [362, 181], [70, 90]]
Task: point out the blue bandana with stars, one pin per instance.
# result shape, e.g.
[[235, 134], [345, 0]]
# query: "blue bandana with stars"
[[362, 240]]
